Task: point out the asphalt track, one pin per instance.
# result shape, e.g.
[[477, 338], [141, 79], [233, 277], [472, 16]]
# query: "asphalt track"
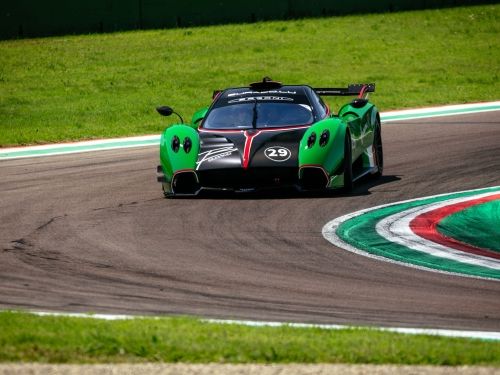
[[92, 232]]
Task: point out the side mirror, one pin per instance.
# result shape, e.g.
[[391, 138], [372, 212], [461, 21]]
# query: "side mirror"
[[164, 110], [167, 111], [359, 103]]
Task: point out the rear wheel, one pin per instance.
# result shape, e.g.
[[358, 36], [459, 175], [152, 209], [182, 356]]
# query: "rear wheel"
[[378, 150], [348, 184]]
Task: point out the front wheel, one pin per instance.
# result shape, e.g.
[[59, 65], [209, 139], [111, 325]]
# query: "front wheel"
[[166, 193]]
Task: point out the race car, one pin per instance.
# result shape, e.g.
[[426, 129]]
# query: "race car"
[[271, 135]]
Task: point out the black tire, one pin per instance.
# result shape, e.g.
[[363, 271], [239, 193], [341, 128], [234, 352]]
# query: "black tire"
[[378, 150], [348, 184], [166, 194]]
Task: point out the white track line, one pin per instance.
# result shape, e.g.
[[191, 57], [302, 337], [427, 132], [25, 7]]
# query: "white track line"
[[97, 142], [483, 335], [448, 109]]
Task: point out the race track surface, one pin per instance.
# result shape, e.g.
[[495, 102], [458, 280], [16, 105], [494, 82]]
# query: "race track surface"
[[92, 232]]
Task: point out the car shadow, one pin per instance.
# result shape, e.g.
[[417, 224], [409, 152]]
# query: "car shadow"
[[363, 185], [361, 188]]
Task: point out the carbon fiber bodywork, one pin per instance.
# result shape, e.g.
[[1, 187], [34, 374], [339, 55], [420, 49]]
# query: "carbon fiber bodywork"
[[271, 136]]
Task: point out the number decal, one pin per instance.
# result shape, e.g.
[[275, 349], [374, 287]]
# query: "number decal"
[[277, 153]]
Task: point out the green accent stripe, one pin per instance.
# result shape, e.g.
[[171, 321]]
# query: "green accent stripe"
[[478, 225], [360, 232]]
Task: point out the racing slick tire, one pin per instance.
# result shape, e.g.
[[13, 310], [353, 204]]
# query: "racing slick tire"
[[378, 150], [348, 183]]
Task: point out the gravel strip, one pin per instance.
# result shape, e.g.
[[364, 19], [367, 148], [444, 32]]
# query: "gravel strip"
[[188, 369]]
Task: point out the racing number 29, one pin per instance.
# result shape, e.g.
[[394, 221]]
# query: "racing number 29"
[[277, 152]]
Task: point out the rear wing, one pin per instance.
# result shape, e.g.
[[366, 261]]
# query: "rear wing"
[[354, 89]]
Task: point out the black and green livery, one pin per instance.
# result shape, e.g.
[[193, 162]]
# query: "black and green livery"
[[270, 135]]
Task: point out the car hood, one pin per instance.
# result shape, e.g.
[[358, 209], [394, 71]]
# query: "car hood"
[[249, 148]]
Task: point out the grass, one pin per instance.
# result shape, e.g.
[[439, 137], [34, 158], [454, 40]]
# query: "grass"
[[28, 338], [106, 85]]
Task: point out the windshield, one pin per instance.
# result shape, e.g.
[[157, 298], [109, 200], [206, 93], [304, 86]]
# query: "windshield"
[[244, 108], [259, 115]]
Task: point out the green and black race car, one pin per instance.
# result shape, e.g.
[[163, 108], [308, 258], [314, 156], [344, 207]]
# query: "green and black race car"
[[270, 135]]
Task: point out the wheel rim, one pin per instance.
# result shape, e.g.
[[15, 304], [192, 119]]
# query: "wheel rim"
[[348, 165], [378, 151]]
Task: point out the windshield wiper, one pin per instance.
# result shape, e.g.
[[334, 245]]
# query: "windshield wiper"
[[255, 115]]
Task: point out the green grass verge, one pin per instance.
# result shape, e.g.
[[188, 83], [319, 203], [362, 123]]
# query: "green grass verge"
[[83, 87], [29, 338]]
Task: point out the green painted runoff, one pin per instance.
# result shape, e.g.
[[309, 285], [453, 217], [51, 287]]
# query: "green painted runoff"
[[478, 225]]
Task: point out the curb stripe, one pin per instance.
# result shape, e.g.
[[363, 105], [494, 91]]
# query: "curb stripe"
[[425, 226], [396, 228], [355, 232], [154, 140]]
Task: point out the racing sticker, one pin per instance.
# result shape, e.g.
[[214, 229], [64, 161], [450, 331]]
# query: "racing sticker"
[[215, 154], [261, 98], [277, 153], [262, 92]]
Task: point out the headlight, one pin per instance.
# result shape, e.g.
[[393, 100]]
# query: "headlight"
[[187, 144], [311, 140], [324, 137], [176, 143]]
